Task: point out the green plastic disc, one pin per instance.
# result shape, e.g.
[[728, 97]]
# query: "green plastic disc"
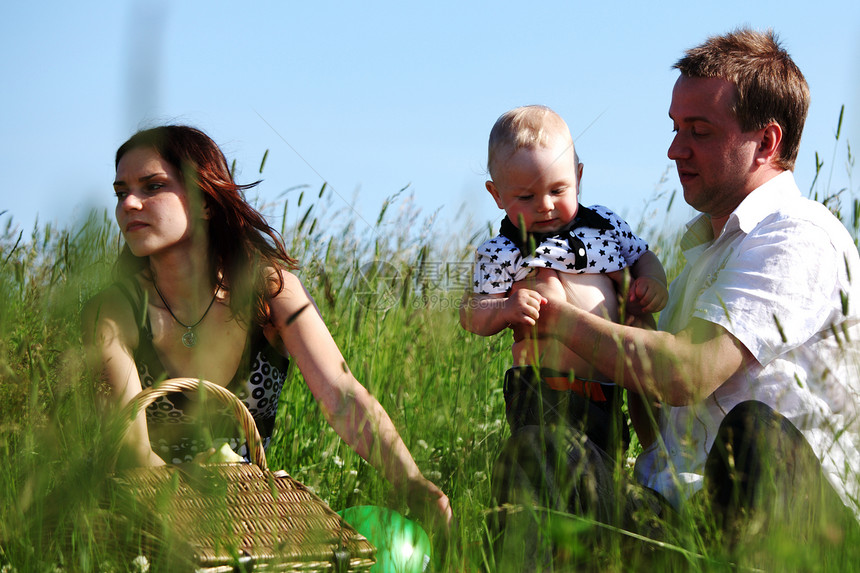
[[402, 546]]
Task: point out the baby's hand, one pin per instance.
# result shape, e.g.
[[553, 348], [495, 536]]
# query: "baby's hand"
[[647, 295], [522, 307]]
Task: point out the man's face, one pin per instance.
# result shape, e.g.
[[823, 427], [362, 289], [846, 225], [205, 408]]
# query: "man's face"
[[714, 157]]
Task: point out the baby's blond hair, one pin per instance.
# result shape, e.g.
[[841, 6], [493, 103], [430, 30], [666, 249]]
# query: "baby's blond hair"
[[526, 126]]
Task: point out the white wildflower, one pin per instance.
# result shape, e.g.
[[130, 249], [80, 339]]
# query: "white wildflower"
[[140, 564]]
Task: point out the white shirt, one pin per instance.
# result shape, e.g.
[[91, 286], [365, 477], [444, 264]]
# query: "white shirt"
[[777, 279]]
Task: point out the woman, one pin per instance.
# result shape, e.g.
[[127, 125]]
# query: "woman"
[[205, 291]]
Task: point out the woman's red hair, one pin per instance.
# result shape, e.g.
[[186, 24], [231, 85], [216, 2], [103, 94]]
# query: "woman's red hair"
[[243, 248]]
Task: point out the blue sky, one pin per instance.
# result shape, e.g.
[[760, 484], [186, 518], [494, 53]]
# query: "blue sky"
[[373, 96]]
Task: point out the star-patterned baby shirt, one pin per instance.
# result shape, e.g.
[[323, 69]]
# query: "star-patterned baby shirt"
[[596, 241]]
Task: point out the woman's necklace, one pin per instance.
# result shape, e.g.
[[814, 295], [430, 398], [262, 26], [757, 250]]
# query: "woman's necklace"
[[189, 339]]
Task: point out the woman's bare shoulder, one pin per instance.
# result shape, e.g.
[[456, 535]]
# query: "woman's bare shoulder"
[[285, 283], [292, 299], [292, 289]]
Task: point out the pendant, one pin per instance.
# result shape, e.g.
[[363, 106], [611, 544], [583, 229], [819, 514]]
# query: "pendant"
[[189, 339]]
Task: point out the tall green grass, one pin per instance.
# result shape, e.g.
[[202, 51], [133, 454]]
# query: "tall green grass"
[[397, 325]]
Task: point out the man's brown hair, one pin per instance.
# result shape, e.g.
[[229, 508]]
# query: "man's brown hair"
[[769, 85]]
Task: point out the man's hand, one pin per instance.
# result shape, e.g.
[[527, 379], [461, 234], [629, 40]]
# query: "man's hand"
[[545, 286], [548, 284]]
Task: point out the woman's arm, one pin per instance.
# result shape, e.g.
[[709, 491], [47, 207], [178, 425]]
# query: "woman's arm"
[[347, 405], [109, 333]]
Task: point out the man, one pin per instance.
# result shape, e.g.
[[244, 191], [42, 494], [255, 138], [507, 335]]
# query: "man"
[[755, 359]]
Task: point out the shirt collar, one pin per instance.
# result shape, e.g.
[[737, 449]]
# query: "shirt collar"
[[763, 201], [528, 242], [698, 232]]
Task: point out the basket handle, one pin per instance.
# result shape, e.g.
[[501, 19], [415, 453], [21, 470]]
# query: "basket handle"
[[146, 397]]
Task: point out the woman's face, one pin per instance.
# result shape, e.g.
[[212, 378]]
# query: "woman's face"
[[151, 203]]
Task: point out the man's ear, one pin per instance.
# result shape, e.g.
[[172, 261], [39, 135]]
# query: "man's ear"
[[770, 143], [491, 187]]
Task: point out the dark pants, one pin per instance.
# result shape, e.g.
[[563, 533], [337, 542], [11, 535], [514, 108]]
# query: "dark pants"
[[760, 468], [530, 401], [560, 458]]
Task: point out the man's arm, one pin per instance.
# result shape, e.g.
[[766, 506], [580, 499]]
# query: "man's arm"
[[677, 369], [644, 417]]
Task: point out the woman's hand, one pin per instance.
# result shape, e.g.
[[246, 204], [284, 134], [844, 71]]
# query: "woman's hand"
[[218, 455], [430, 504]]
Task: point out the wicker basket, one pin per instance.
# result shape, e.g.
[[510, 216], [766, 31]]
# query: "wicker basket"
[[238, 516]]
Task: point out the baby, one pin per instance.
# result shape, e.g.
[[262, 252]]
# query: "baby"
[[548, 237]]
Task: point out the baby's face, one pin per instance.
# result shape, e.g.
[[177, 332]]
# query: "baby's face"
[[538, 184]]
